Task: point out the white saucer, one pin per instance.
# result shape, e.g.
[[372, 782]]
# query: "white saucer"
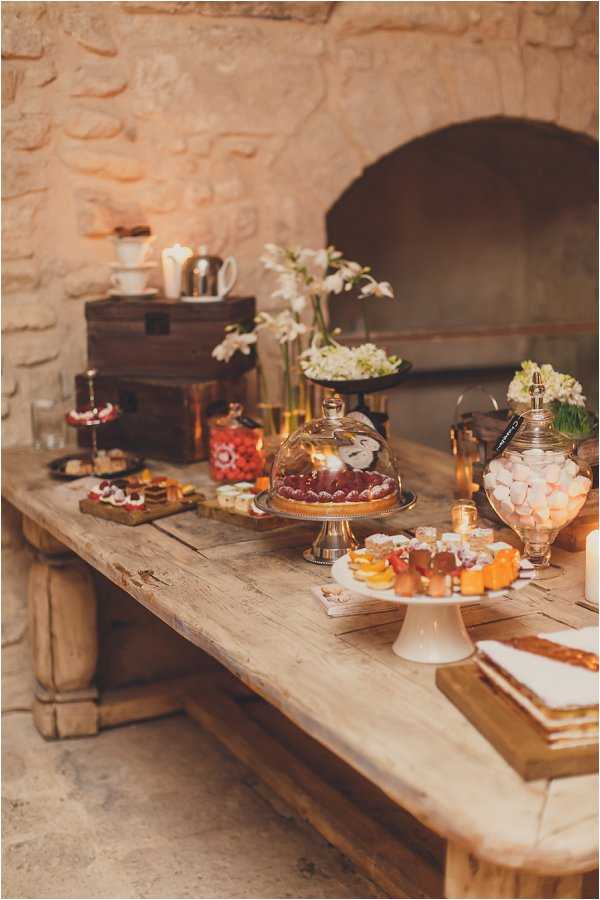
[[121, 266], [202, 299], [147, 292]]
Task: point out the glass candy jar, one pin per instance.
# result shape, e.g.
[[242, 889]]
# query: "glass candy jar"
[[236, 447], [536, 485]]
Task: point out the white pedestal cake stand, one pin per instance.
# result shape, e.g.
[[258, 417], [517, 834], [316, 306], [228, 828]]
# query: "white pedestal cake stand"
[[433, 630]]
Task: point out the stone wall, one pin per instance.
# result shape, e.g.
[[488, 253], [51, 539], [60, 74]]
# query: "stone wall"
[[233, 124]]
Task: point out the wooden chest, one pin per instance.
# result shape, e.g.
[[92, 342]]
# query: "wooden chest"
[[165, 338], [163, 418]]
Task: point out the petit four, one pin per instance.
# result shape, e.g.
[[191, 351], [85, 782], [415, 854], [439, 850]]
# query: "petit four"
[[412, 567], [380, 545], [427, 534], [155, 495]]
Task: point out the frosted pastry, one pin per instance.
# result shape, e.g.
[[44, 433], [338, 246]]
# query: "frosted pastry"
[[380, 545]]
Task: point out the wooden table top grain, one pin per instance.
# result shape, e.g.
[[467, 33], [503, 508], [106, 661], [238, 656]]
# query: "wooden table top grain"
[[245, 598]]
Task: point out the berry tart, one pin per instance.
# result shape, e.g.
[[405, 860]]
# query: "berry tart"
[[324, 493]]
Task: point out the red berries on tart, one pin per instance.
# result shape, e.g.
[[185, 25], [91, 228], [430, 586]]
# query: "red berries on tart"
[[327, 493]]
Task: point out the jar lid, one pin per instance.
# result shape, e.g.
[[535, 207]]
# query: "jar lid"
[[537, 430]]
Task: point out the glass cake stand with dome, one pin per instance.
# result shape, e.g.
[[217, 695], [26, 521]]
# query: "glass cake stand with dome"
[[537, 485], [334, 470]]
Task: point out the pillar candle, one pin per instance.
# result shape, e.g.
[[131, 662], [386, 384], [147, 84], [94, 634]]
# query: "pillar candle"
[[591, 567], [173, 259]]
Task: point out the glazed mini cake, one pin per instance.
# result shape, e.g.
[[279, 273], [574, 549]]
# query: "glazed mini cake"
[[352, 492]]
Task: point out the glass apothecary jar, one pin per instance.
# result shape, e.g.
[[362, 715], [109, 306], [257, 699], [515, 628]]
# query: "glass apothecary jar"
[[235, 447], [536, 485]]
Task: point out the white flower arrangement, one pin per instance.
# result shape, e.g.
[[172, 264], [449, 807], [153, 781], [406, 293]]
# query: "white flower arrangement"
[[559, 388], [334, 362], [563, 393], [305, 278]]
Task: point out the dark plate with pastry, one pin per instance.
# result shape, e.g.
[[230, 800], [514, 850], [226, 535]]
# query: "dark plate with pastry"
[[109, 464]]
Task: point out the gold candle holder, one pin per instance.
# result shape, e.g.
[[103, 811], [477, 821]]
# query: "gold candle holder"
[[464, 516]]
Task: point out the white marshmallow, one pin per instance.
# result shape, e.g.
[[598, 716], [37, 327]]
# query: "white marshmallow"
[[565, 480], [543, 520], [518, 492], [575, 504], [559, 517], [507, 508], [504, 476], [501, 492], [537, 499], [571, 468], [524, 509], [552, 474], [528, 521], [558, 500], [495, 466], [579, 485], [489, 481], [533, 455], [521, 472]]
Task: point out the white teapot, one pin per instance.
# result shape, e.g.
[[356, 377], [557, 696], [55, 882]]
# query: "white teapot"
[[208, 278]]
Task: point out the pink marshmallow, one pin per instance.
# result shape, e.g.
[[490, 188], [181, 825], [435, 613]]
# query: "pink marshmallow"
[[524, 509], [528, 521]]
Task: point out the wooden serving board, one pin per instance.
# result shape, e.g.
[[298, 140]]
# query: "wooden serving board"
[[508, 729], [210, 509], [137, 517]]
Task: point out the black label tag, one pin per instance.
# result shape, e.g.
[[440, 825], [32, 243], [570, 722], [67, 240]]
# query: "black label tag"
[[508, 434], [248, 423]]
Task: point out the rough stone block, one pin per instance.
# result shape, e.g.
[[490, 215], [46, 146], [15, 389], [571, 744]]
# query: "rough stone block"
[[30, 348], [10, 83], [27, 315], [315, 12], [19, 276], [579, 93], [98, 213], [27, 132], [88, 124], [98, 79], [104, 164], [542, 80], [87, 281], [21, 175], [18, 219], [88, 26], [40, 73], [438, 18], [22, 38]]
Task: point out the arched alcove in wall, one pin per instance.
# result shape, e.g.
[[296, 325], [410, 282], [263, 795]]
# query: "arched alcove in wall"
[[488, 233]]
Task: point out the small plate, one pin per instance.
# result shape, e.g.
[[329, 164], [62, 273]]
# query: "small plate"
[[148, 292], [136, 463]]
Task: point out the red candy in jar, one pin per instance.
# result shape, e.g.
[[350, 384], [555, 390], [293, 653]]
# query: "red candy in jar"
[[236, 447]]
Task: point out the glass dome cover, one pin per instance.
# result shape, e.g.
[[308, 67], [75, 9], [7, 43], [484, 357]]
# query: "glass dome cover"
[[333, 465]]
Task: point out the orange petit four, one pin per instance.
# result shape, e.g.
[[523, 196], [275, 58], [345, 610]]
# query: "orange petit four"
[[407, 584], [472, 582], [439, 585]]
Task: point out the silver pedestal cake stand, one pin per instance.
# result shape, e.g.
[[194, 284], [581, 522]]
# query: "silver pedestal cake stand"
[[336, 536]]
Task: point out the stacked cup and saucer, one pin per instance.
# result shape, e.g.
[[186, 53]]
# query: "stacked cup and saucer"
[[131, 271]]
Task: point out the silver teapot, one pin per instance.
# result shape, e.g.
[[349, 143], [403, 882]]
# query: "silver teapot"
[[207, 278]]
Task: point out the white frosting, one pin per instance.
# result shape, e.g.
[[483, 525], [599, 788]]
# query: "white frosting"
[[558, 685]]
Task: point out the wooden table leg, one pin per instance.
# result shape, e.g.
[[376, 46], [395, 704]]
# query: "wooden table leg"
[[467, 876], [64, 639]]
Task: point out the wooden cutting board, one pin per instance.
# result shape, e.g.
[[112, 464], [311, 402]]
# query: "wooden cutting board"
[[210, 509], [508, 729], [138, 516]]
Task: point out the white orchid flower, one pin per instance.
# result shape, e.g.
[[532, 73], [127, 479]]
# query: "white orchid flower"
[[334, 283], [374, 288], [233, 342]]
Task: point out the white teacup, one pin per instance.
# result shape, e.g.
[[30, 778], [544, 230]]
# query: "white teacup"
[[133, 251], [131, 281]]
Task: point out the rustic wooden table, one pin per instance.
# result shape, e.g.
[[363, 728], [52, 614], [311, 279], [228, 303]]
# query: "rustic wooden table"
[[245, 599]]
